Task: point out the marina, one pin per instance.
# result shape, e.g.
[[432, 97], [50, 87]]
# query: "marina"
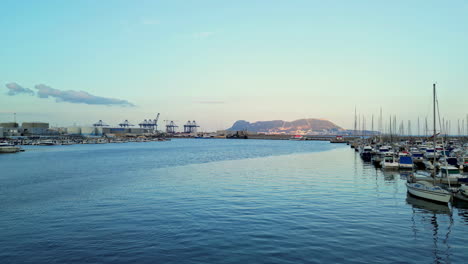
[[197, 199]]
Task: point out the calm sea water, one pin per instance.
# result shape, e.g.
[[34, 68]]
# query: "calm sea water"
[[216, 201]]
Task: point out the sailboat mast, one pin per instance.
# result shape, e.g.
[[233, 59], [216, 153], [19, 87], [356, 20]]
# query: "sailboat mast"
[[355, 121], [434, 135]]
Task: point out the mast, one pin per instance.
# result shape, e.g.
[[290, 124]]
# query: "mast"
[[419, 134], [355, 121], [434, 135], [425, 128], [380, 124], [390, 130]]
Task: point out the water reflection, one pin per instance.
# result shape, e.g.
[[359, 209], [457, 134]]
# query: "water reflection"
[[390, 176], [426, 212], [462, 207]]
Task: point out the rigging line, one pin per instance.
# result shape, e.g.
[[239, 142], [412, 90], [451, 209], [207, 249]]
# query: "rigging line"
[[443, 143]]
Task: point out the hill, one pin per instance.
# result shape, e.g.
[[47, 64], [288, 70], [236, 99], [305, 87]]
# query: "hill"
[[300, 126]]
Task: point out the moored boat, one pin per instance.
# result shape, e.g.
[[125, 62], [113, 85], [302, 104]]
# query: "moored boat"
[[389, 162], [427, 190], [406, 162], [451, 175], [9, 148], [366, 153]]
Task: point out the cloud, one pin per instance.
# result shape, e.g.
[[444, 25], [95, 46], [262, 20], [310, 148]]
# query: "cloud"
[[14, 89], [77, 97]]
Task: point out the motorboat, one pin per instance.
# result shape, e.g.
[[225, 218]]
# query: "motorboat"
[[366, 153], [389, 162], [451, 175], [379, 155], [417, 156]]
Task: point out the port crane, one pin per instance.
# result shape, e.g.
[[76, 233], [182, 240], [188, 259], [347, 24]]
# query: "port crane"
[[190, 127], [170, 126]]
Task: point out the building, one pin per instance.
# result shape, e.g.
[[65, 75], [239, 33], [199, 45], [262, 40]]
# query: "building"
[[35, 128], [10, 129], [9, 125]]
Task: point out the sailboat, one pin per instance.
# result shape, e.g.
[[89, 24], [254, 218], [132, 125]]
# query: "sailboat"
[[426, 189]]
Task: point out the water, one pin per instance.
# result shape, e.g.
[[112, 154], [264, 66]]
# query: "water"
[[216, 201]]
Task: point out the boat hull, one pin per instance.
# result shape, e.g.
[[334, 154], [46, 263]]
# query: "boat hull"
[[9, 149], [427, 194]]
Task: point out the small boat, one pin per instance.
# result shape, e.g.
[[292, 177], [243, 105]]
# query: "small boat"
[[366, 153], [417, 156], [451, 175], [378, 156], [427, 190], [8, 148], [389, 162]]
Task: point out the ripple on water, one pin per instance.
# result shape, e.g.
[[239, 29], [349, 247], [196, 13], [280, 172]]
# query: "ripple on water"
[[216, 201]]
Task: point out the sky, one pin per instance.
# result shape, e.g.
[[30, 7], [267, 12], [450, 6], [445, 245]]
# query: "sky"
[[75, 62]]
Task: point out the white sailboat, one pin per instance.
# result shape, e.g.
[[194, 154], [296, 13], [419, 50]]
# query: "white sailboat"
[[425, 189]]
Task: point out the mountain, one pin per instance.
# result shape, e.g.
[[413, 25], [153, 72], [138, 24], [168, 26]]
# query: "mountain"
[[300, 126]]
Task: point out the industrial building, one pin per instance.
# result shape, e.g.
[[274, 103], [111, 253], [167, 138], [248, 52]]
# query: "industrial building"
[[10, 129], [102, 131], [26, 129], [35, 128]]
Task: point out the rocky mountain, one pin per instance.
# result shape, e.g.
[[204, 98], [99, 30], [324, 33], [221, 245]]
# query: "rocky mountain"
[[300, 126]]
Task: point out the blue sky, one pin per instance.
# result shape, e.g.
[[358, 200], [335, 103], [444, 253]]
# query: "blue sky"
[[220, 61]]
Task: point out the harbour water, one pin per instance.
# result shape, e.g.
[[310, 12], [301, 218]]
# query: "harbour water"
[[217, 201]]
